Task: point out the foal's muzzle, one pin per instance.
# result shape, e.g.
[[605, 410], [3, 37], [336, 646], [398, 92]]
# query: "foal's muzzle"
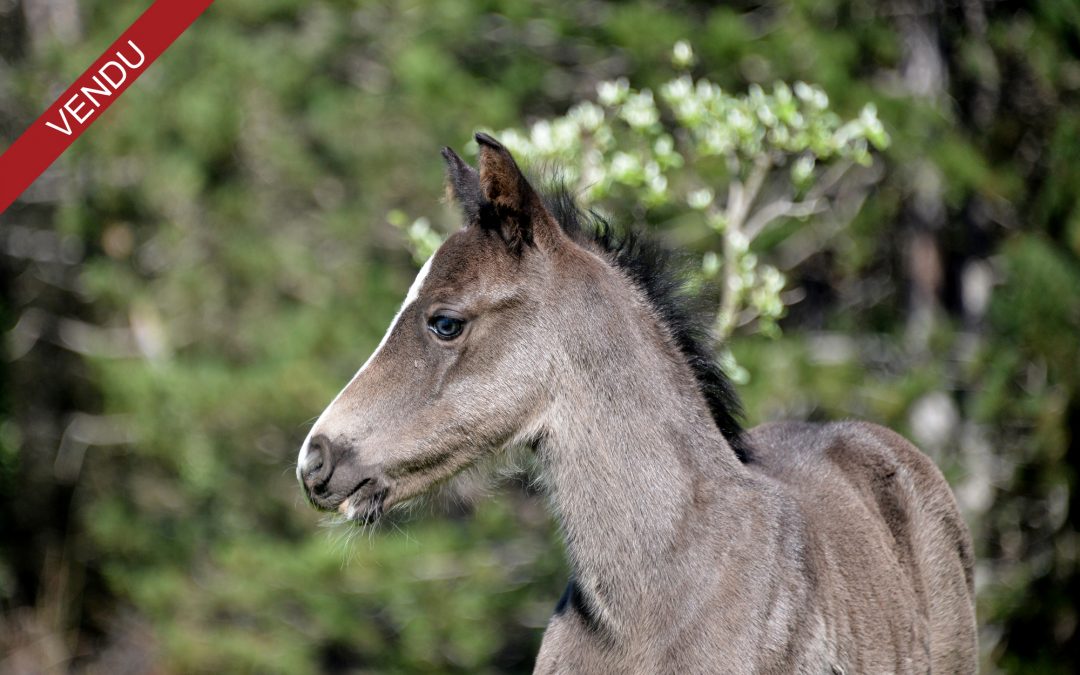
[[334, 481]]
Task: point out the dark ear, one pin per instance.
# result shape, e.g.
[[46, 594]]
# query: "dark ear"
[[462, 185], [518, 211]]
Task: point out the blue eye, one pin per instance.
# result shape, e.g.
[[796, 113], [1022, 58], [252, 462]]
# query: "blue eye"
[[446, 327]]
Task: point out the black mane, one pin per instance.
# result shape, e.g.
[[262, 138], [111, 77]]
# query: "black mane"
[[662, 277]]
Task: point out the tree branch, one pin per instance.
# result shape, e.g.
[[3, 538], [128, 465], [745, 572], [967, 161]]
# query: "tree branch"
[[740, 198], [783, 208]]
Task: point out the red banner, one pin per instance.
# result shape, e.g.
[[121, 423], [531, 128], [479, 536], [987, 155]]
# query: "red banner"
[[97, 88]]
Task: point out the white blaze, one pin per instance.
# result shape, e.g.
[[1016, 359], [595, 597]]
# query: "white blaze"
[[410, 297]]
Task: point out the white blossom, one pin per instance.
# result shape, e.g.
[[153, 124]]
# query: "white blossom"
[[682, 54]]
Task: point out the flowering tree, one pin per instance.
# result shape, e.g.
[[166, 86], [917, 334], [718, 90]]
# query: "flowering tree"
[[736, 164]]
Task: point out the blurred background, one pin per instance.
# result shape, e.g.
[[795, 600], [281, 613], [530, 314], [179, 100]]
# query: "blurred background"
[[191, 283]]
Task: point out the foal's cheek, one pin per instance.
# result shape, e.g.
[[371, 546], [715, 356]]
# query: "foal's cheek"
[[439, 375]]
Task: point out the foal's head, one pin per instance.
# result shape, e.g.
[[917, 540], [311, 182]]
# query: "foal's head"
[[472, 363], [462, 369]]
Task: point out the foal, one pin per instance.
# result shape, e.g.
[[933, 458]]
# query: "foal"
[[695, 547]]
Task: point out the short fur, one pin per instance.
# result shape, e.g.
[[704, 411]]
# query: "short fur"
[[838, 549]]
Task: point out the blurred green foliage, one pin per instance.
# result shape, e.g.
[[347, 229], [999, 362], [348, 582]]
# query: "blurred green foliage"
[[212, 260]]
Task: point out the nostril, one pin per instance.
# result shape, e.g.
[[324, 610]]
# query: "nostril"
[[317, 466]]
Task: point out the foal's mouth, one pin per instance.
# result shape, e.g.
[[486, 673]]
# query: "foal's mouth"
[[366, 503]]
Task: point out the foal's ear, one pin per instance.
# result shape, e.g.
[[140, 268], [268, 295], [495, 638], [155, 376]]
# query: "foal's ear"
[[462, 185], [519, 212]]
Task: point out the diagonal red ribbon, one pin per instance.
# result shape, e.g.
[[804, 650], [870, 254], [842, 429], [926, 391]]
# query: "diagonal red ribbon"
[[94, 91]]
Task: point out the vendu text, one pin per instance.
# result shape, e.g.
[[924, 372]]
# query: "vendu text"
[[110, 76]]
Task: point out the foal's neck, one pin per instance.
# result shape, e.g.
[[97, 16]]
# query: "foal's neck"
[[636, 470]]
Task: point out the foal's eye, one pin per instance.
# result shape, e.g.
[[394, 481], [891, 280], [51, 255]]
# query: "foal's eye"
[[446, 327]]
